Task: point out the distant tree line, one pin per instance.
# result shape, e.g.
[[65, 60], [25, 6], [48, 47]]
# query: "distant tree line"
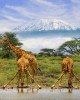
[[47, 52], [71, 47]]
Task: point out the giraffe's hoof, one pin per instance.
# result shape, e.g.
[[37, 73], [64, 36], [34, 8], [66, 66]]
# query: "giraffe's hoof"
[[70, 86], [22, 84], [17, 86], [40, 87], [52, 86], [32, 81], [12, 87], [3, 87], [27, 86]]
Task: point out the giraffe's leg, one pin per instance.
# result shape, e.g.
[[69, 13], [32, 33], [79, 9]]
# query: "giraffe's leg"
[[26, 76], [76, 77], [34, 68], [10, 80], [61, 79], [19, 77], [33, 71], [58, 80], [33, 79], [22, 77], [19, 74], [70, 80]]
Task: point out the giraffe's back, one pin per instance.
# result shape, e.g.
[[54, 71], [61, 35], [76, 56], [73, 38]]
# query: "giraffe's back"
[[67, 64], [23, 63]]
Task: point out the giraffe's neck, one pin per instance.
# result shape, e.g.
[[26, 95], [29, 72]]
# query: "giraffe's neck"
[[17, 51]]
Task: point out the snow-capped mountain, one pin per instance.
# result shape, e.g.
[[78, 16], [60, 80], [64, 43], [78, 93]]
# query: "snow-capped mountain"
[[44, 24]]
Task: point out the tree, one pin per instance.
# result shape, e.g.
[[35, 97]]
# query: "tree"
[[70, 47], [6, 51], [47, 51]]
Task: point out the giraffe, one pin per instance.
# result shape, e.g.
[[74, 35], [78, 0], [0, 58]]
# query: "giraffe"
[[20, 52], [67, 67], [23, 65]]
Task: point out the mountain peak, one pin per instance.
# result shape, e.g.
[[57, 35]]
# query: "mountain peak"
[[45, 24]]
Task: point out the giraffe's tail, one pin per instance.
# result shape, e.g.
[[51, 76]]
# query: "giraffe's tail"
[[38, 70]]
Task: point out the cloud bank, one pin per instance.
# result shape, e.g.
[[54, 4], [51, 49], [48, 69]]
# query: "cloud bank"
[[35, 44]]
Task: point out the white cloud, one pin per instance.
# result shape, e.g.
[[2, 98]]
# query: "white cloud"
[[24, 11], [75, 13], [48, 10], [35, 44], [76, 1], [8, 25], [4, 28], [10, 18], [43, 2], [9, 21]]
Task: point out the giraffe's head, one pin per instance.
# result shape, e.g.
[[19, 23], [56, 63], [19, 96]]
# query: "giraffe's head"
[[5, 39]]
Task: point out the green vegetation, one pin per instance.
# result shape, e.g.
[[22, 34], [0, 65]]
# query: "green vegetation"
[[50, 70], [7, 70]]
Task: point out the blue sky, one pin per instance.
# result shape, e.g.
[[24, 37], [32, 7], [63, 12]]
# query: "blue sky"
[[16, 12]]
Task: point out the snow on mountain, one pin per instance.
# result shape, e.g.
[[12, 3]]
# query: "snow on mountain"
[[44, 24]]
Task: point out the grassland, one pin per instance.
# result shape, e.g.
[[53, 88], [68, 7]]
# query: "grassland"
[[50, 70]]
